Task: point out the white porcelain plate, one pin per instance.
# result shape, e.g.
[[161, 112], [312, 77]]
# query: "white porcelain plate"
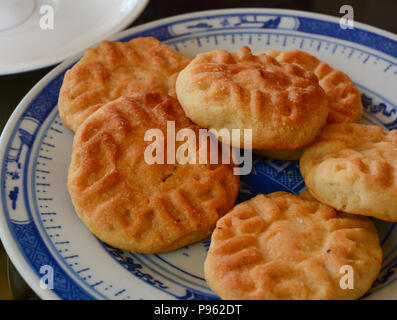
[[58, 29], [39, 226]]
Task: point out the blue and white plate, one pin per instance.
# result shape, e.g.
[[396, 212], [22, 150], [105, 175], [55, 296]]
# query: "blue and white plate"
[[39, 227]]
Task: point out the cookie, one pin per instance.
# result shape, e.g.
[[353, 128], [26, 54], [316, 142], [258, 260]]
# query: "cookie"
[[284, 246], [282, 104], [343, 96], [115, 69], [134, 205], [353, 168]]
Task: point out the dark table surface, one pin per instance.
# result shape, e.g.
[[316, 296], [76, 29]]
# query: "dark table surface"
[[378, 13]]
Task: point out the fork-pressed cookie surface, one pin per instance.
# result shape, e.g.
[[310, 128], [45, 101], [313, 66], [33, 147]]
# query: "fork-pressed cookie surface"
[[283, 104], [353, 167], [284, 246], [115, 69], [136, 206], [344, 98]]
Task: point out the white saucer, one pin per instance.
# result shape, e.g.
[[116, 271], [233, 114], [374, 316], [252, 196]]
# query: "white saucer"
[[77, 25]]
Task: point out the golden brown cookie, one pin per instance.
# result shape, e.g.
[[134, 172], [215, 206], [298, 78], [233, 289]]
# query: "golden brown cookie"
[[343, 96], [284, 246], [353, 168], [115, 69], [282, 104], [136, 206]]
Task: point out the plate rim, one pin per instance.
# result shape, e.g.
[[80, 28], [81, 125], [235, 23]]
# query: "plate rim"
[[9, 242], [292, 12], [134, 13]]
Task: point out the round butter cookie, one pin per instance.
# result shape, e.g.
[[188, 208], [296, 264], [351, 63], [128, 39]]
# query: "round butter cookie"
[[115, 69], [132, 204], [283, 246], [343, 96], [353, 168], [282, 104]]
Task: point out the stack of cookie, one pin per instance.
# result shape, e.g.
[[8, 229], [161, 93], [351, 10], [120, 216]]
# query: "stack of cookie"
[[276, 246], [284, 246], [111, 98]]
